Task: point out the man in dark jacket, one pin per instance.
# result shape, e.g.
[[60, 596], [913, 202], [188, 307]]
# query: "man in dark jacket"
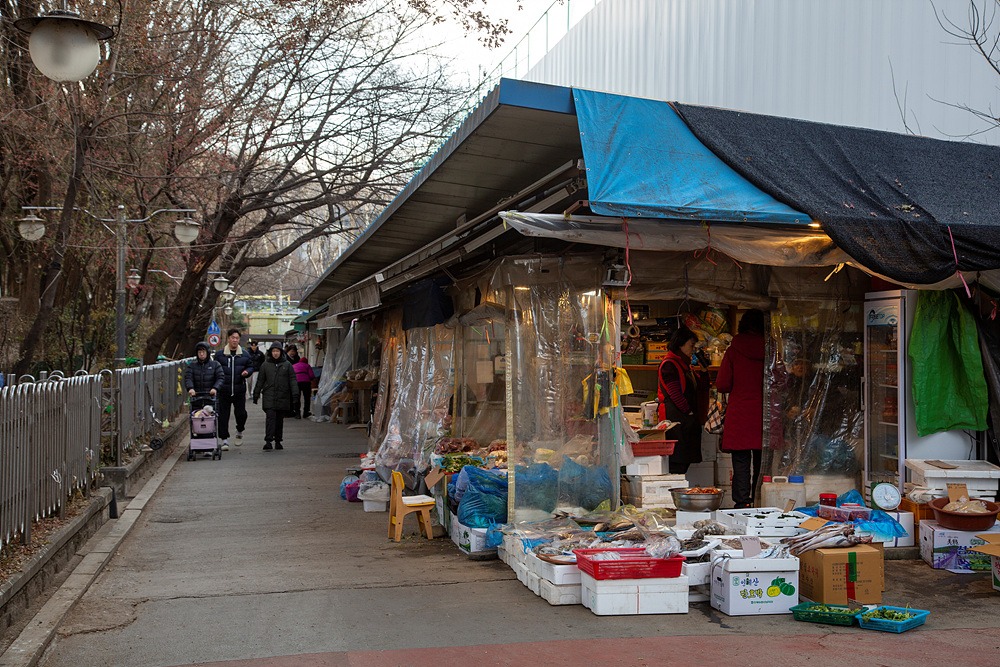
[[256, 354], [203, 376], [237, 367], [281, 394]]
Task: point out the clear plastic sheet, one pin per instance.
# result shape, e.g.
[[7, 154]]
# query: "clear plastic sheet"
[[559, 336], [814, 424], [420, 398]]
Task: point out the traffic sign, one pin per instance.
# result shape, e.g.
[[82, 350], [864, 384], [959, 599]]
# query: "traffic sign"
[[213, 328], [213, 339]]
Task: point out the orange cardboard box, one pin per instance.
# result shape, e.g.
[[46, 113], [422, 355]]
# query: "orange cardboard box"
[[832, 576]]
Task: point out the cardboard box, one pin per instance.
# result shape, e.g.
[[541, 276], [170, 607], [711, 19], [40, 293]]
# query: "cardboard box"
[[991, 549], [746, 586], [831, 576], [951, 550], [469, 540], [618, 597]]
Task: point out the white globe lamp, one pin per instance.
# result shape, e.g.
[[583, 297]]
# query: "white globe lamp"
[[63, 46]]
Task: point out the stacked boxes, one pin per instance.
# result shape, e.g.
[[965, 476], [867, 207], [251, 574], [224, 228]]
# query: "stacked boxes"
[[651, 490], [615, 597], [953, 549], [763, 521], [556, 584], [981, 478]]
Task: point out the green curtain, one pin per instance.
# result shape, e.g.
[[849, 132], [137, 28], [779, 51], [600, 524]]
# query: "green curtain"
[[949, 385]]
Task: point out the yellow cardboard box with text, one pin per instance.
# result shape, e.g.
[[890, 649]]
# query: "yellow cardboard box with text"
[[831, 576]]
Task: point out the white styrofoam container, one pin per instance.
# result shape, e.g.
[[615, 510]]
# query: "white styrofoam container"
[[905, 519], [701, 593], [557, 595], [698, 574], [534, 582], [685, 518], [646, 465], [742, 586], [978, 474], [762, 521], [559, 575], [521, 570], [502, 554], [618, 597], [375, 505]]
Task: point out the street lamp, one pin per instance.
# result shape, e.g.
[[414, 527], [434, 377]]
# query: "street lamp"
[[32, 228], [220, 282], [63, 46]]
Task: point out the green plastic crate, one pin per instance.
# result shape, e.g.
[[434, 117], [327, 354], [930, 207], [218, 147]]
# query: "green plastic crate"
[[807, 611]]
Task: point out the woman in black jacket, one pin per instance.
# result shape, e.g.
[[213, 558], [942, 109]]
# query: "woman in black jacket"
[[203, 376], [280, 390]]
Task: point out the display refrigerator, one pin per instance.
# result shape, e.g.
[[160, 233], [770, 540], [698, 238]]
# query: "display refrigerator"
[[890, 426]]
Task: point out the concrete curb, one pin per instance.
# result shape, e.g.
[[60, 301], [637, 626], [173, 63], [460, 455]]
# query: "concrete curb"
[[30, 645]]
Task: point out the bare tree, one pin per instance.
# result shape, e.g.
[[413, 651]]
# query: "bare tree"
[[277, 120]]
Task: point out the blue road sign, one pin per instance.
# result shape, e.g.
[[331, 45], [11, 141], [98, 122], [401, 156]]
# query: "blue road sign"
[[213, 328]]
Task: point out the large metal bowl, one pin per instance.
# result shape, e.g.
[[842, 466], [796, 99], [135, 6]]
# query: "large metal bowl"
[[696, 502]]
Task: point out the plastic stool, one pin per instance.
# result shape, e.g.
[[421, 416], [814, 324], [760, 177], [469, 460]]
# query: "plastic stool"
[[346, 410]]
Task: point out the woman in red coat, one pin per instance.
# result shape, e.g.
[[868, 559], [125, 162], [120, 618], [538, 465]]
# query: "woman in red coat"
[[742, 377]]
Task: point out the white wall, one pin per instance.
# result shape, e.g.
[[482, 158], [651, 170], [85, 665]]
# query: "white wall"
[[835, 61]]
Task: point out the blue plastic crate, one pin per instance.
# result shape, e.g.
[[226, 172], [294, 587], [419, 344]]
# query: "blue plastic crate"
[[884, 625]]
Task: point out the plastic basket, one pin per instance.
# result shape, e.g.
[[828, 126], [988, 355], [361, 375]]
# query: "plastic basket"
[[808, 612], [894, 626], [634, 564], [653, 447]]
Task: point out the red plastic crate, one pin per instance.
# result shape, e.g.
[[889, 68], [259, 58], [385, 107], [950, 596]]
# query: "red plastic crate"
[[653, 447], [634, 564]]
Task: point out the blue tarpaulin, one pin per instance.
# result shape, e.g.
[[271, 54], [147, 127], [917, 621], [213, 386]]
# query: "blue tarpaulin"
[[643, 161]]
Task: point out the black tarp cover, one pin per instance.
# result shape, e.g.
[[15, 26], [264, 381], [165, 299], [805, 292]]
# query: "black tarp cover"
[[888, 200]]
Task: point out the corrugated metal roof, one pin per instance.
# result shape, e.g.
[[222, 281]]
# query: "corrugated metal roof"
[[516, 135]]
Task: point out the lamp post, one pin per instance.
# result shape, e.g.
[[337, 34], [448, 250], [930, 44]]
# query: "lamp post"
[[32, 228]]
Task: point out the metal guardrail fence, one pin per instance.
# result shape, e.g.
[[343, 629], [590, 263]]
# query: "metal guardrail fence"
[[51, 435]]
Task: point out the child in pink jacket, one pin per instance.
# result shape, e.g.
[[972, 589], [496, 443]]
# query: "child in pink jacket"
[[304, 376]]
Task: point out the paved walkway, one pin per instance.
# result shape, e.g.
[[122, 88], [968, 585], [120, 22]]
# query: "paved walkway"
[[254, 560]]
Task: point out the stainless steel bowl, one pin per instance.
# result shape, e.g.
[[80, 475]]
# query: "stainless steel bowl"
[[696, 502]]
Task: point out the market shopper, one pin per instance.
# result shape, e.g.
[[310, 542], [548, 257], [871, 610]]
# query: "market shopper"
[[742, 377], [280, 392], [292, 352], [677, 392], [304, 376], [237, 367], [202, 376]]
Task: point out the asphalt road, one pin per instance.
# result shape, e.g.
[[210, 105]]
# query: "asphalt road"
[[255, 560]]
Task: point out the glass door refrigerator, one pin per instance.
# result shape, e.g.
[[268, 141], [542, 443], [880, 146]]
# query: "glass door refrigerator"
[[890, 426]]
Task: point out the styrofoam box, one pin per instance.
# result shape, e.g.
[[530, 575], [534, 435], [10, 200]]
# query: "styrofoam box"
[[557, 574], [698, 574], [655, 485], [685, 518], [557, 595], [533, 583], [763, 521], [646, 465], [723, 550], [978, 474], [905, 519], [701, 593], [514, 547], [618, 597], [502, 554], [521, 570], [742, 586]]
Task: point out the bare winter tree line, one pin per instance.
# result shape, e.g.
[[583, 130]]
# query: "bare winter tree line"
[[281, 123]]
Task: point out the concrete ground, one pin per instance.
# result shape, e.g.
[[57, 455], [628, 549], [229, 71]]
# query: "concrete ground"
[[255, 560]]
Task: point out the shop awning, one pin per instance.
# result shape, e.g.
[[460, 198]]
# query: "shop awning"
[[301, 323], [910, 208], [643, 161]]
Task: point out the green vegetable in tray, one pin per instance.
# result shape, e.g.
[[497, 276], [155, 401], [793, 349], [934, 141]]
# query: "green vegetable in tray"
[[826, 609], [887, 615]]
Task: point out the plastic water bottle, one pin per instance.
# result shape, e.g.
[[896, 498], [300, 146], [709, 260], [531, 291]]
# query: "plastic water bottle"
[[777, 491]]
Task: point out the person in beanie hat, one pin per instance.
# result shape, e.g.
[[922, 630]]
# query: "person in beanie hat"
[[280, 391], [203, 375]]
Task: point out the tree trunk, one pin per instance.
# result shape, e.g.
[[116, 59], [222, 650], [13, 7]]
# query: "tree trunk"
[[53, 269]]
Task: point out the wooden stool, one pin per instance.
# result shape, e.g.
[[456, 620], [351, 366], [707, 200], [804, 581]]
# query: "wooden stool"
[[400, 506], [346, 410]]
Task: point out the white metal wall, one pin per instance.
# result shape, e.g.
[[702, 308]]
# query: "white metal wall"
[[835, 61]]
